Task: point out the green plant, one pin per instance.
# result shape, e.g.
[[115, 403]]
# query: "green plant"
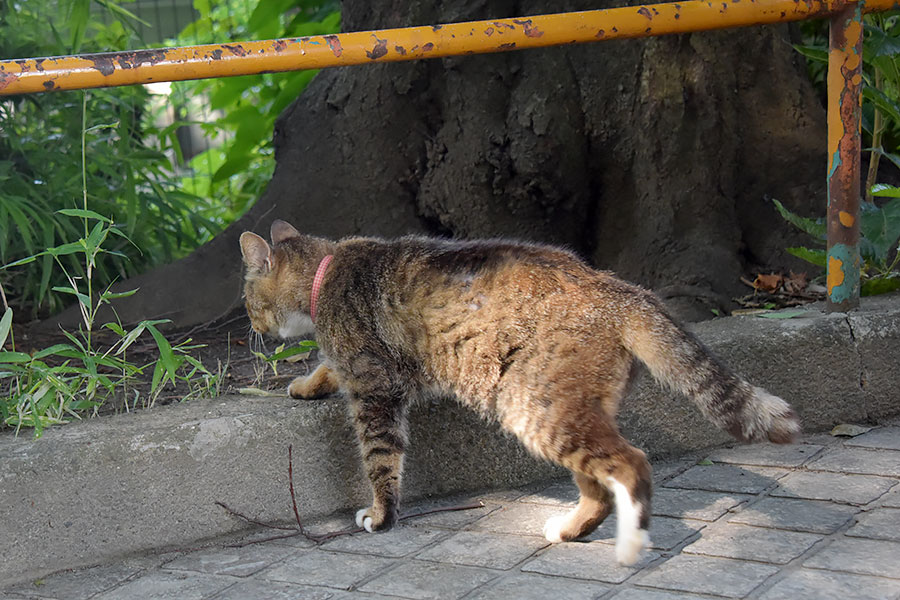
[[243, 109], [70, 378], [879, 222], [67, 379], [879, 228], [299, 351], [881, 82], [132, 177]]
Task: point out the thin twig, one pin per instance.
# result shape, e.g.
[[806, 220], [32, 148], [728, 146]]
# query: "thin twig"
[[263, 540], [252, 520], [472, 506], [319, 539], [291, 483]]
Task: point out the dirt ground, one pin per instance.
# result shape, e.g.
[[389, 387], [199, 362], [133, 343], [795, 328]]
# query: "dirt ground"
[[223, 348]]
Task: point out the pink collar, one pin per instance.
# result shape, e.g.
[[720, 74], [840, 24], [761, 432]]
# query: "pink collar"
[[317, 284]]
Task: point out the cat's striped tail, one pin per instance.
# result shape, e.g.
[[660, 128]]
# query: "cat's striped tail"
[[678, 360]]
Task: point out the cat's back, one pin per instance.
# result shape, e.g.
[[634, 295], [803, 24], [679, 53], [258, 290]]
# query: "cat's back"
[[422, 273]]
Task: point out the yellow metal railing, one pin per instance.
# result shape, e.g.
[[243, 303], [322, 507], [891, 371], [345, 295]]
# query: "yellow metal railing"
[[498, 35]]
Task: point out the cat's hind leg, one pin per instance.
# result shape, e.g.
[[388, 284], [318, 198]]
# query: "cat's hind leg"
[[624, 471], [593, 507]]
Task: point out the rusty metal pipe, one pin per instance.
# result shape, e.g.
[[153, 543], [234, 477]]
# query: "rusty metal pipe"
[[844, 146], [315, 52]]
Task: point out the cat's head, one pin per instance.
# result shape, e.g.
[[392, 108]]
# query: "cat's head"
[[277, 282]]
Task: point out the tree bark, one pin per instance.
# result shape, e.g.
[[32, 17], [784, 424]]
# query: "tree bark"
[[653, 158]]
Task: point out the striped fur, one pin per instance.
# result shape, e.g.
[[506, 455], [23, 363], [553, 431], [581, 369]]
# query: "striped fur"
[[527, 335]]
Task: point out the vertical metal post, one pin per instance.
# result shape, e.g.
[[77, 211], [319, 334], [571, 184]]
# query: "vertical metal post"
[[844, 112]]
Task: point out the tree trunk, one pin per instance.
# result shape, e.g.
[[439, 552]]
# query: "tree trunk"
[[653, 158]]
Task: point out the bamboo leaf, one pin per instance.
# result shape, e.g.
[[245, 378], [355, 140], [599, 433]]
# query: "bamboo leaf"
[[83, 214], [284, 354], [55, 349], [816, 53], [5, 325], [814, 227], [810, 255], [78, 19], [14, 357]]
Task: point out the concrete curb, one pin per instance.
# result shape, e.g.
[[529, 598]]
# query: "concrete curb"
[[89, 492]]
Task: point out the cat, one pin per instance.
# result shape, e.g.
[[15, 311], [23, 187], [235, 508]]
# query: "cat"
[[525, 334]]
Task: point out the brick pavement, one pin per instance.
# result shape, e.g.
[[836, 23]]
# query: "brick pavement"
[[817, 520]]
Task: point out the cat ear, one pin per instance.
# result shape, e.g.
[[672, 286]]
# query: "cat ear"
[[282, 230], [256, 252]]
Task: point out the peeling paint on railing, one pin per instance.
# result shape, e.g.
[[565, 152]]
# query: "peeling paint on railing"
[[844, 146], [433, 41]]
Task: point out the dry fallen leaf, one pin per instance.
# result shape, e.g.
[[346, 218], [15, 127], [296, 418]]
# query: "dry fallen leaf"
[[298, 357], [768, 283], [249, 391], [796, 283], [849, 430]]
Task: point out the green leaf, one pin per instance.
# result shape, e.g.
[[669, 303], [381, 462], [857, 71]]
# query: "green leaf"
[[879, 43], [229, 91], [96, 237], [883, 102], [292, 89], [810, 255], [880, 226], [816, 53], [65, 249], [14, 357], [123, 12], [232, 166], [78, 19], [814, 227], [157, 377], [55, 349], [116, 328], [198, 366], [108, 295], [167, 357], [290, 352], [879, 285], [22, 261], [83, 214], [267, 13], [885, 191], [782, 314], [83, 298], [5, 325]]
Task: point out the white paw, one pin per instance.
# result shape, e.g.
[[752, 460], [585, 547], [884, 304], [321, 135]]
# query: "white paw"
[[629, 546], [364, 521], [553, 527]]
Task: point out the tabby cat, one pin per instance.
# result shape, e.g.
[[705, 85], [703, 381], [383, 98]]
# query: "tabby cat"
[[526, 334]]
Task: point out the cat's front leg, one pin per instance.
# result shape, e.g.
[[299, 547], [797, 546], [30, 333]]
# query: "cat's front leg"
[[382, 431], [320, 383]]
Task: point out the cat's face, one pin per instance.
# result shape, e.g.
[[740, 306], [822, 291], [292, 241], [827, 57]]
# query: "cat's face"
[[268, 316], [272, 288]]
